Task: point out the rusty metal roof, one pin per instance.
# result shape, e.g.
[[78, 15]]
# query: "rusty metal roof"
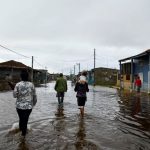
[[13, 64]]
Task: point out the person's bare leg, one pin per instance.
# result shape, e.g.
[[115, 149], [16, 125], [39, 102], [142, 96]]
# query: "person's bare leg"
[[82, 111]]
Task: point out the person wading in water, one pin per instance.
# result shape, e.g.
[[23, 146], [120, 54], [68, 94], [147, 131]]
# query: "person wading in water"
[[60, 88], [25, 93], [81, 88]]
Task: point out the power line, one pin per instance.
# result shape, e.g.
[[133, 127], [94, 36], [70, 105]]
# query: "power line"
[[39, 63], [22, 55], [14, 51]]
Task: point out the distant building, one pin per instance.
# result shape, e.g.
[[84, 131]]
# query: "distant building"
[[133, 66], [10, 70], [103, 76], [40, 76], [53, 76]]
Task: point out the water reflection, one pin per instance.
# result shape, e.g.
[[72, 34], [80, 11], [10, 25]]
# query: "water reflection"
[[60, 111], [80, 141], [23, 145], [136, 106], [59, 125], [112, 121], [135, 113]]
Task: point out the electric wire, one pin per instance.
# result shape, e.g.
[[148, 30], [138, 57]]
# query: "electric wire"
[[22, 55], [14, 51], [38, 63]]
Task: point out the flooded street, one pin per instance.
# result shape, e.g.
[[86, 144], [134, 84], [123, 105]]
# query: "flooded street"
[[113, 121]]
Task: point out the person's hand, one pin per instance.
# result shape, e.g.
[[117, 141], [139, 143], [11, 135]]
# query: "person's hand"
[[11, 84]]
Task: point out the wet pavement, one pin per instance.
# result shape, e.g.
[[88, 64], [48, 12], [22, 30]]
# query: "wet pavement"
[[114, 120]]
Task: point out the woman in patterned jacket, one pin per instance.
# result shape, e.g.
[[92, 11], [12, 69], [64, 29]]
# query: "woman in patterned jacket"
[[24, 91]]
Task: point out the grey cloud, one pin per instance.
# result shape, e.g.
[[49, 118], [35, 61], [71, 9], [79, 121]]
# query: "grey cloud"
[[65, 30]]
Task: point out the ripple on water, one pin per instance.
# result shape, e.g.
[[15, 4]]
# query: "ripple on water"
[[112, 121]]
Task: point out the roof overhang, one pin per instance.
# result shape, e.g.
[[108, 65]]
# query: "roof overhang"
[[136, 56]]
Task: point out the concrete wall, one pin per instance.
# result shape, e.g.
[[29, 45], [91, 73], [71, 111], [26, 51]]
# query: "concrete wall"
[[103, 76]]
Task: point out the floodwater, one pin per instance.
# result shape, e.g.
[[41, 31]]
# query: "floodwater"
[[113, 120]]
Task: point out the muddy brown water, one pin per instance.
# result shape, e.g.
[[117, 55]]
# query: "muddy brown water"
[[114, 120]]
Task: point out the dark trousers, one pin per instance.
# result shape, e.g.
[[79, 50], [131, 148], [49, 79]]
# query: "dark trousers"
[[60, 100], [23, 119], [60, 96]]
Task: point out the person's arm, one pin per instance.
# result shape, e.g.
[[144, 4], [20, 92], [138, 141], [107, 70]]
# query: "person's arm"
[[12, 85], [66, 86], [140, 83], [34, 91], [15, 92], [34, 95], [87, 88], [56, 85], [76, 87]]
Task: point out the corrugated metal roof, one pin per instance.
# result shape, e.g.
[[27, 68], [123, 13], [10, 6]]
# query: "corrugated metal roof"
[[13, 64], [136, 56]]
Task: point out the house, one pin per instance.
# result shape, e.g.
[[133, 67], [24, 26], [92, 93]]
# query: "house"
[[103, 76], [10, 70], [133, 66], [53, 76], [40, 76]]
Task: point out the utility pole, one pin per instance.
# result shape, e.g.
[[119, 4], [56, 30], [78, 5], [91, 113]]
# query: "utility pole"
[[70, 72], [94, 66], [32, 71], [79, 66], [74, 70]]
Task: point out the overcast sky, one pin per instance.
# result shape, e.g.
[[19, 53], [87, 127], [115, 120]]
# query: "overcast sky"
[[61, 33]]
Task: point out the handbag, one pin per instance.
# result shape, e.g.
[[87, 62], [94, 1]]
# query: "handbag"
[[34, 100]]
